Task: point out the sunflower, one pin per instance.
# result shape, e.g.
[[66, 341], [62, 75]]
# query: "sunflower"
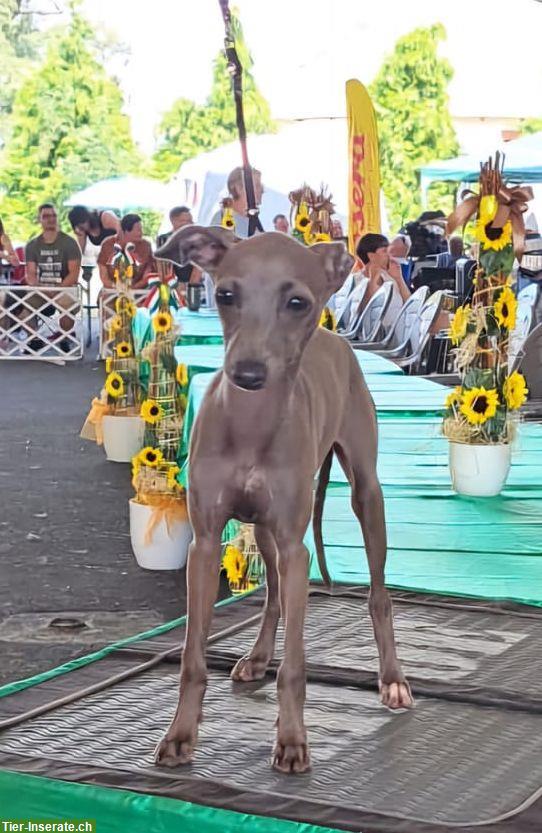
[[515, 390], [120, 304], [161, 322], [115, 325], [114, 385], [181, 374], [327, 320], [320, 237], [302, 219], [227, 220], [458, 326], [479, 405], [151, 411], [172, 473], [123, 349], [505, 308], [129, 271], [235, 563], [116, 274], [150, 456], [489, 237], [125, 305], [454, 398]]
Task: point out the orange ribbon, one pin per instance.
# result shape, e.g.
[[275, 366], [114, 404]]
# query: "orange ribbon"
[[168, 509], [96, 414], [512, 204]]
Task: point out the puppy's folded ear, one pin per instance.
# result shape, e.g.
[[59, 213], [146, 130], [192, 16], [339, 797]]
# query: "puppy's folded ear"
[[202, 246], [336, 261]]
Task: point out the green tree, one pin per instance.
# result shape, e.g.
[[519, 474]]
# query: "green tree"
[[68, 129], [533, 125], [18, 47], [188, 129], [414, 124]]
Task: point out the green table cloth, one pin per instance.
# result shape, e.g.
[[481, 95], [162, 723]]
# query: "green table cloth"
[[202, 327]]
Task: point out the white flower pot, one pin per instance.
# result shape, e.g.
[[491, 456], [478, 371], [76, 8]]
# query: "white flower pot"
[[123, 437], [166, 550], [479, 470]]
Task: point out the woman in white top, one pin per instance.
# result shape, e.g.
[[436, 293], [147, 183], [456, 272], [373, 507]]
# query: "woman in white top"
[[379, 268]]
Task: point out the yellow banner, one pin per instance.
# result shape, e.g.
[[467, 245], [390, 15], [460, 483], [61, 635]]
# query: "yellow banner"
[[363, 164]]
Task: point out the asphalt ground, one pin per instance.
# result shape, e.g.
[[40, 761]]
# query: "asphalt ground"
[[64, 530]]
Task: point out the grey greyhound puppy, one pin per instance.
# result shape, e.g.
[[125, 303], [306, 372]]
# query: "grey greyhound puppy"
[[290, 395]]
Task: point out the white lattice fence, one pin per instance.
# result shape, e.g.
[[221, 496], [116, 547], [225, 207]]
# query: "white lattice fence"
[[41, 322], [106, 306]]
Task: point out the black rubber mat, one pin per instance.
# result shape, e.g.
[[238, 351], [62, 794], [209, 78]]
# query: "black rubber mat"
[[468, 756], [440, 644]]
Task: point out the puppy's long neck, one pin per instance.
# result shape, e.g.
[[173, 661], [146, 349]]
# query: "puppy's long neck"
[[254, 418]]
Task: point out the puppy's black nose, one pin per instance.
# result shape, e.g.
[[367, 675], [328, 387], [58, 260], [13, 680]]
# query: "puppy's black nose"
[[249, 374]]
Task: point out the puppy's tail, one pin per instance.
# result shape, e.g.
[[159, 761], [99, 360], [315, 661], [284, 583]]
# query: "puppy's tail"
[[317, 513]]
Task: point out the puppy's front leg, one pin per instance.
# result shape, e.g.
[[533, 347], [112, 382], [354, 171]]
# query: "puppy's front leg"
[[291, 753], [177, 746]]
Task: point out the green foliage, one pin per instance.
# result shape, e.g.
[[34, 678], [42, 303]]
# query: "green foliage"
[[68, 129], [18, 47], [531, 126], [188, 129], [414, 124]]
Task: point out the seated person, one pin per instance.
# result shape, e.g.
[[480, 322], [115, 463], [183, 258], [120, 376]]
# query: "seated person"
[[447, 260], [379, 268], [131, 231], [399, 251], [181, 216], [7, 252], [280, 223], [236, 190], [53, 259]]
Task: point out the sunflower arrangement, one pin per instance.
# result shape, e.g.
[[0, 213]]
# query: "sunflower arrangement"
[[242, 562], [310, 219], [483, 408], [155, 470], [122, 387]]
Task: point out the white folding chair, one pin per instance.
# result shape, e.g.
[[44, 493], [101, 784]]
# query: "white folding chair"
[[348, 318], [369, 324], [398, 336]]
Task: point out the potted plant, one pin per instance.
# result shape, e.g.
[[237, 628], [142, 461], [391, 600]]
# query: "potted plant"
[[159, 526], [114, 418], [481, 413]]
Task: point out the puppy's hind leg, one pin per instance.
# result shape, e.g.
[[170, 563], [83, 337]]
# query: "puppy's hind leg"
[[254, 665], [357, 453]]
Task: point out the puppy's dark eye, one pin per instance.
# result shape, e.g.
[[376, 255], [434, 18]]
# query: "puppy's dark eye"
[[297, 304], [224, 297]]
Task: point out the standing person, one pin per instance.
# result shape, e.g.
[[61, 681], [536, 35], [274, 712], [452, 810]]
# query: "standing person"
[[180, 216], [53, 259], [131, 231], [239, 207], [280, 223], [7, 252], [92, 226]]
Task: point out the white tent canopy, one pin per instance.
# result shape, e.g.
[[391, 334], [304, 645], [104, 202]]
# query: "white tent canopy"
[[312, 151], [124, 193]]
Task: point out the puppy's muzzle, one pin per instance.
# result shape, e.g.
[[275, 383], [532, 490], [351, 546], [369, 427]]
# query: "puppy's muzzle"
[[249, 374]]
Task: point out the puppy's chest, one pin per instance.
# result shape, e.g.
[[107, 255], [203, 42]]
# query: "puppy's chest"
[[250, 492]]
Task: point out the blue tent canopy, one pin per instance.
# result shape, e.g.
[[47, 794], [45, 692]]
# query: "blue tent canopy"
[[522, 163]]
